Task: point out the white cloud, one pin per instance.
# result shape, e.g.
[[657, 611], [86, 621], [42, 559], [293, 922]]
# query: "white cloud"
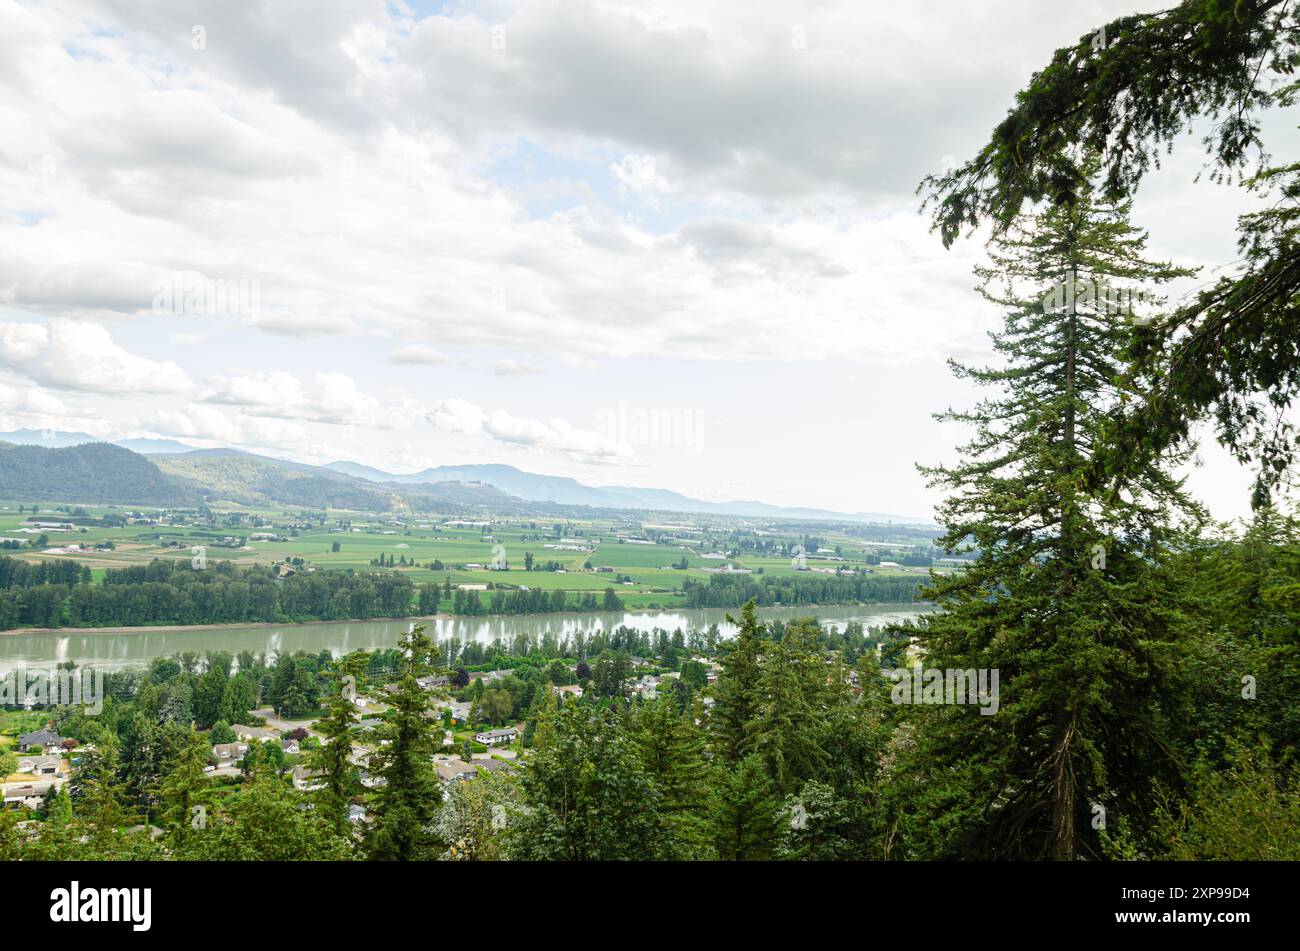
[[79, 355], [508, 367], [457, 416], [465, 418], [334, 399], [418, 355], [31, 400], [556, 434], [289, 324], [351, 182], [638, 175], [206, 422]]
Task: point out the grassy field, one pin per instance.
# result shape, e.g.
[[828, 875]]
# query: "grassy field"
[[643, 573]]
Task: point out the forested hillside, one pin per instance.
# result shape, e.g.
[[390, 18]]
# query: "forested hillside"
[[101, 472], [250, 481], [92, 472]]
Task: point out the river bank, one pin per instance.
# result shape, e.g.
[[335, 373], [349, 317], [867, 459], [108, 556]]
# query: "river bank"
[[137, 646], [813, 609]]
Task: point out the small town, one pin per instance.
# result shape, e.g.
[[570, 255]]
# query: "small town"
[[474, 735]]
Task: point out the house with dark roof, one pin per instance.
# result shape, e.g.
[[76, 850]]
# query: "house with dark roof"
[[42, 738]]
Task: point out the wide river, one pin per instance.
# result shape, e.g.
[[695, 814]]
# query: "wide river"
[[136, 649]]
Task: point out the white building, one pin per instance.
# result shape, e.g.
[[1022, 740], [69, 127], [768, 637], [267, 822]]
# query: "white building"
[[495, 737]]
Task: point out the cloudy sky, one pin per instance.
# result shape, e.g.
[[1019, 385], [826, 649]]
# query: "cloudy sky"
[[665, 243]]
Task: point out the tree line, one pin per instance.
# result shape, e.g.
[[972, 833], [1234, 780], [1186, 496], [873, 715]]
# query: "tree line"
[[174, 592], [731, 591]]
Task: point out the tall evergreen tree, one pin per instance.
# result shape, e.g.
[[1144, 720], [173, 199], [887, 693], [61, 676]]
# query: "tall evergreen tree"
[[1129, 89], [787, 706], [186, 787], [1067, 597], [736, 691], [743, 810], [407, 804], [673, 752], [588, 794], [102, 796], [333, 758]]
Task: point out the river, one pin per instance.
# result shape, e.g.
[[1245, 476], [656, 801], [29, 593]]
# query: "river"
[[135, 649]]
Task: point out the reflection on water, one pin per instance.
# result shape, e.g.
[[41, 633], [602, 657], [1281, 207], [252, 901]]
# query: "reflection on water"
[[339, 637]]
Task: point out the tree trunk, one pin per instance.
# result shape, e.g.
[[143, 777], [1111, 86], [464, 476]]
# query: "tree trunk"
[[1063, 788]]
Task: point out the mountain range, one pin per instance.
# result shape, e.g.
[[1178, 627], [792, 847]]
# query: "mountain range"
[[239, 476]]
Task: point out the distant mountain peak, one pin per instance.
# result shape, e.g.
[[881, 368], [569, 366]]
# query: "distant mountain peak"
[[353, 484], [563, 490]]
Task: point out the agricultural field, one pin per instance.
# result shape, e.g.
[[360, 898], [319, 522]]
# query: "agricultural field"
[[647, 563]]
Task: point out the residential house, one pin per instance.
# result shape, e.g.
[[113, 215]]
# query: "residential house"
[[292, 747], [460, 711], [307, 780], [42, 766], [495, 737], [455, 769], [25, 795], [45, 739], [228, 754], [646, 687], [253, 733]]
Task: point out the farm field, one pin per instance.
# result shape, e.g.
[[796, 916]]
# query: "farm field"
[[647, 563]]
